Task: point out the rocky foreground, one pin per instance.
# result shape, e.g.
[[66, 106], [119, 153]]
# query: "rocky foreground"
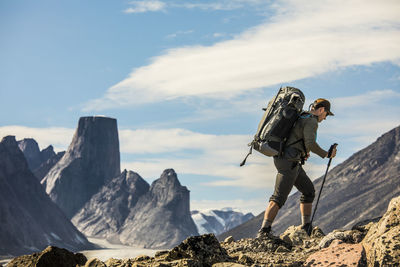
[[370, 243]]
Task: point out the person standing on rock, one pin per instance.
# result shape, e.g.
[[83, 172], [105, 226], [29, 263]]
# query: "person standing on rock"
[[301, 141]]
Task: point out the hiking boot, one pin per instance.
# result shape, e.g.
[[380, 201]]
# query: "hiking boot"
[[264, 232], [308, 228]]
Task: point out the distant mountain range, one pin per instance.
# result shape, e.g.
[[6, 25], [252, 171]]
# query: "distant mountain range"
[[360, 188], [218, 221]]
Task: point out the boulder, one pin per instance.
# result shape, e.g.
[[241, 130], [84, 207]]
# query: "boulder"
[[204, 250], [295, 236], [50, 257], [338, 254], [382, 242], [346, 236]]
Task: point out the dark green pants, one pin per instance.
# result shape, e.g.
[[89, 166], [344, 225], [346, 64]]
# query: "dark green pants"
[[291, 174]]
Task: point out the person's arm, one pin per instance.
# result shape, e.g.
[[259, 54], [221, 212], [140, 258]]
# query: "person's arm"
[[310, 138]]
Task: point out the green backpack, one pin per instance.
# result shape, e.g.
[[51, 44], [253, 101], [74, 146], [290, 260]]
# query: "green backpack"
[[277, 122]]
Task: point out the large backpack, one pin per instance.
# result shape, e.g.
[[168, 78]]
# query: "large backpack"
[[277, 122]]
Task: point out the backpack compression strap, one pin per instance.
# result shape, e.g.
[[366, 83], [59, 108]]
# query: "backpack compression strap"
[[248, 154]]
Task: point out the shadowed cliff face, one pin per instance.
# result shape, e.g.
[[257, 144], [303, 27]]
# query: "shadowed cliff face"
[[33, 155], [107, 210], [92, 159], [29, 220], [161, 218], [357, 189]]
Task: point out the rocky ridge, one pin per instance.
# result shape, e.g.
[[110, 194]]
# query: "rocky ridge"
[[366, 182], [367, 244], [128, 210]]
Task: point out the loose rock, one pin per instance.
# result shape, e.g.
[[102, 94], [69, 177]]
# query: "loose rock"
[[382, 243], [51, 256], [94, 262]]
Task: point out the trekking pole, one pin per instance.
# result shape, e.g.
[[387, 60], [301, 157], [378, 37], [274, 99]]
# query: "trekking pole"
[[323, 181]]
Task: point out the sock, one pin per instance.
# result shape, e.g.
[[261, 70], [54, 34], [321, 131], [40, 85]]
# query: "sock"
[[266, 223], [305, 219]]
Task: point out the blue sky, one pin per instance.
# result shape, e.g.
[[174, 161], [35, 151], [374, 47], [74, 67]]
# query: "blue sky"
[[186, 80]]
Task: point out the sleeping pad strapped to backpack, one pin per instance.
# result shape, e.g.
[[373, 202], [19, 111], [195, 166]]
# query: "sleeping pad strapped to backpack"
[[277, 122]]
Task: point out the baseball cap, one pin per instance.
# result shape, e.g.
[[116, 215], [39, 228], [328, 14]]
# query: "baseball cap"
[[322, 102]]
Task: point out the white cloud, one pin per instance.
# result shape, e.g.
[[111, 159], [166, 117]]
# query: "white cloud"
[[59, 137], [368, 100], [304, 39], [145, 6], [362, 118]]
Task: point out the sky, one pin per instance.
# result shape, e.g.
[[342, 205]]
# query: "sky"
[[187, 81]]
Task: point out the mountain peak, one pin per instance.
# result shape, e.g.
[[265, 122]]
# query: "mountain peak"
[[168, 178], [92, 159]]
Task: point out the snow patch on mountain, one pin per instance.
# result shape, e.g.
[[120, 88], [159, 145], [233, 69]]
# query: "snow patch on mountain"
[[218, 221]]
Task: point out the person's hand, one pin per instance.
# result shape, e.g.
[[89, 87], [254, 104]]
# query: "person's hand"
[[307, 156], [333, 153]]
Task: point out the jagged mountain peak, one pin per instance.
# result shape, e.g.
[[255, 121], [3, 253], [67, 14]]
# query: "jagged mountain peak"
[[132, 179], [28, 143], [10, 144], [168, 178]]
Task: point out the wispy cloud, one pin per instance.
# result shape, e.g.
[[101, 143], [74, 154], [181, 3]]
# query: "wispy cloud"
[[304, 39], [155, 5], [174, 35], [145, 6]]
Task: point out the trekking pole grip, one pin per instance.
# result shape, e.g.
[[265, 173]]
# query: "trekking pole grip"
[[331, 149]]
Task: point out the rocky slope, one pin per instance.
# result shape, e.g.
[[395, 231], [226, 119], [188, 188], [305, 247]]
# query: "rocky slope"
[[106, 212], [44, 168], [92, 159], [367, 244], [39, 162], [357, 189], [129, 211], [161, 218], [29, 220], [218, 221]]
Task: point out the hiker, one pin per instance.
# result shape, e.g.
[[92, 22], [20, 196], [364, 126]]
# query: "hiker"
[[301, 141]]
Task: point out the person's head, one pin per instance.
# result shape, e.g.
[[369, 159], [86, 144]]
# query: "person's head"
[[321, 108]]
